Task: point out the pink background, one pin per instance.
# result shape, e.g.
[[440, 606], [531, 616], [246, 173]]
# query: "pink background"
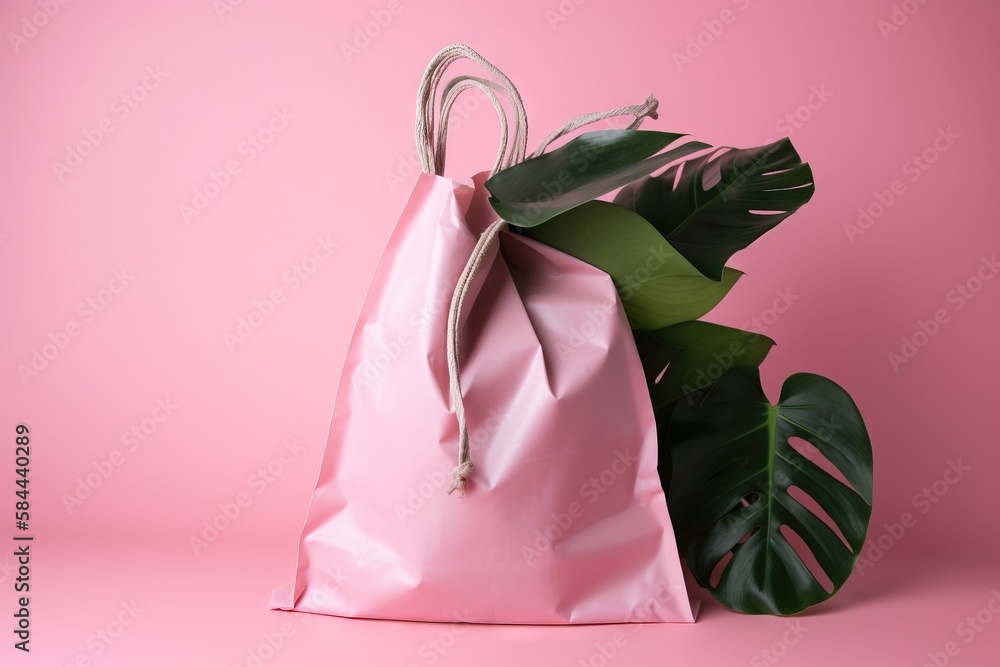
[[162, 335]]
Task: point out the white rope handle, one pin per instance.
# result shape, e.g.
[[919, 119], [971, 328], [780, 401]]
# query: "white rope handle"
[[451, 92], [428, 91], [641, 111], [461, 473]]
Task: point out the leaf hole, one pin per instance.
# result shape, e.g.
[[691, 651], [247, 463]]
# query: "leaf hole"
[[677, 175], [713, 579], [761, 212], [662, 373], [807, 501], [719, 153], [807, 557], [790, 187], [746, 537], [712, 171], [812, 453]]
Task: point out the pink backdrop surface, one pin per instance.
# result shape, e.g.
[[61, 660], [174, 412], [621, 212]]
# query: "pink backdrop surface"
[[195, 196]]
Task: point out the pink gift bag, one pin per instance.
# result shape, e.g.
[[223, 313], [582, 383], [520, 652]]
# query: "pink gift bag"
[[548, 438]]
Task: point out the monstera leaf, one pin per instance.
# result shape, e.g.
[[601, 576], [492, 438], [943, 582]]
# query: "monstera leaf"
[[733, 470], [591, 165], [695, 354], [710, 206], [656, 285]]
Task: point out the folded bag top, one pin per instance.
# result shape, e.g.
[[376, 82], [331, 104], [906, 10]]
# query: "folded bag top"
[[494, 366]]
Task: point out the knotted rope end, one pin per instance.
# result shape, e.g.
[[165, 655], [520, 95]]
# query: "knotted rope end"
[[651, 105], [460, 478]]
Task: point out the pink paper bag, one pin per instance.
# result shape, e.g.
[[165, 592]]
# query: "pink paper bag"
[[563, 519]]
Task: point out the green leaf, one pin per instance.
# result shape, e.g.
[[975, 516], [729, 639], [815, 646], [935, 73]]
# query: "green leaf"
[[710, 208], [657, 286], [588, 166], [733, 468], [698, 353]]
